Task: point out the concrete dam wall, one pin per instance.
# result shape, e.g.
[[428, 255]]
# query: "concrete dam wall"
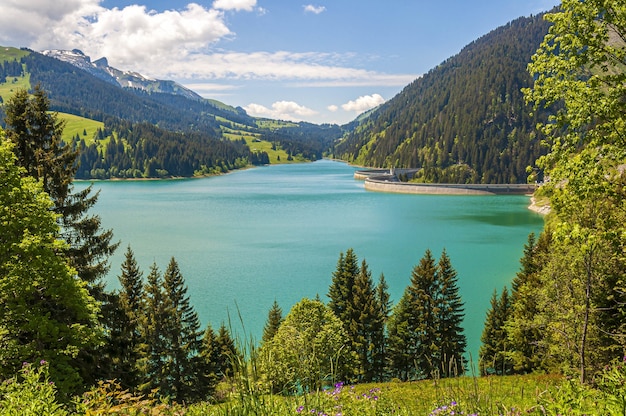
[[380, 180]]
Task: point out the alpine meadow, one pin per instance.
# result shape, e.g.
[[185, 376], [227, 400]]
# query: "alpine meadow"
[[540, 101]]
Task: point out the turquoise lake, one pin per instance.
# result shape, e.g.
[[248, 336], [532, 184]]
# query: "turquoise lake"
[[244, 239]]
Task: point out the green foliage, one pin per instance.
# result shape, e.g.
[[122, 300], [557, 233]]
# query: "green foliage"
[[274, 319], [308, 350], [580, 65], [465, 120], [426, 339], [493, 358], [108, 398], [45, 310], [363, 310], [31, 393]]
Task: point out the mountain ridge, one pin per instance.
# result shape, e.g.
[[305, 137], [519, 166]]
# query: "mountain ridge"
[[465, 121], [101, 69]]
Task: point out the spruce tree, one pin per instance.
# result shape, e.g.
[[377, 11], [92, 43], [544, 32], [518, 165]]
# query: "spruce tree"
[[525, 331], [274, 319], [494, 353], [425, 334], [208, 362], [40, 150], [183, 337], [155, 346], [228, 356], [401, 343], [341, 288], [131, 303], [379, 358], [452, 341], [366, 329], [424, 319]]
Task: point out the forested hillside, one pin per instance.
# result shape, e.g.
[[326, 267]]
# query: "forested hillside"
[[464, 121], [150, 134]]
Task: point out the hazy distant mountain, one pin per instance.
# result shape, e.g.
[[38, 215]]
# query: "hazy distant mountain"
[[126, 79], [465, 120]]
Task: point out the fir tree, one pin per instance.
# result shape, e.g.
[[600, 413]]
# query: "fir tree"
[[131, 304], [340, 290], [424, 329], [366, 329], [40, 150], [452, 341], [494, 353], [274, 319], [379, 357], [155, 346], [183, 337], [227, 353]]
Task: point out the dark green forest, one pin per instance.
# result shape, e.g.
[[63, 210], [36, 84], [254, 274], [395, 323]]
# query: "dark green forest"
[[157, 135], [465, 121]]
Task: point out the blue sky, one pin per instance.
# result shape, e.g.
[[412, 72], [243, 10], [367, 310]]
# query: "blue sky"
[[323, 61]]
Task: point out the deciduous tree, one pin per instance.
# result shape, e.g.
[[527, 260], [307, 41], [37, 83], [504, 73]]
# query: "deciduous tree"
[[45, 310]]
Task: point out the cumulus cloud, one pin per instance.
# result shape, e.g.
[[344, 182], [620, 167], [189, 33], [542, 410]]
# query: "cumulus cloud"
[[174, 44], [310, 8], [363, 103], [247, 5], [333, 108], [281, 110]]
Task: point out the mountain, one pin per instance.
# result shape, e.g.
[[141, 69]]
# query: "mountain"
[[154, 130], [465, 121], [126, 79]]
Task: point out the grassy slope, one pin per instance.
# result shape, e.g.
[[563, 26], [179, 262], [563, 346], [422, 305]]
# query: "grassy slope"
[[83, 127]]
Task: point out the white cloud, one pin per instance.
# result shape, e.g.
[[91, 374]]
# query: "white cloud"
[[281, 110], [173, 44], [332, 108], [309, 8], [247, 5], [364, 103]]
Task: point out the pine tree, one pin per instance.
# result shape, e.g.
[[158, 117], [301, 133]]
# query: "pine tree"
[[340, 290], [425, 332], [183, 336], [227, 353], [525, 333], [155, 346], [452, 341], [131, 303], [494, 353], [274, 319], [424, 320], [401, 343], [379, 358]]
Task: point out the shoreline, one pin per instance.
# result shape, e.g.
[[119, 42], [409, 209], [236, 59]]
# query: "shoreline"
[[382, 180]]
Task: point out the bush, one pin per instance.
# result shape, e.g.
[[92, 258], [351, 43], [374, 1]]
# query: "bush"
[[30, 393]]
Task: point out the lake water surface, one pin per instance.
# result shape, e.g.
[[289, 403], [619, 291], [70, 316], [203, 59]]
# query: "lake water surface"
[[244, 239]]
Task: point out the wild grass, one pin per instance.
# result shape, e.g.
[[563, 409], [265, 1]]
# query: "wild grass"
[[31, 393]]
